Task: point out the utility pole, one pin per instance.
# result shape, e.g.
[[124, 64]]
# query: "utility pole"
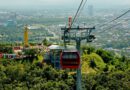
[[67, 37]]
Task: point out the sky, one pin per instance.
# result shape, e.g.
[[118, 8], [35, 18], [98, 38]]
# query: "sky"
[[60, 3]]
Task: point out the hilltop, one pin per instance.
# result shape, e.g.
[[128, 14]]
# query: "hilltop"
[[101, 69]]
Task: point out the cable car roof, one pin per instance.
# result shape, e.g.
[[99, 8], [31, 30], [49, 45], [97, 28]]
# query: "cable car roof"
[[55, 47], [70, 50]]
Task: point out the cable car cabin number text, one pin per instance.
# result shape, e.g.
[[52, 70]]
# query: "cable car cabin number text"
[[70, 60]]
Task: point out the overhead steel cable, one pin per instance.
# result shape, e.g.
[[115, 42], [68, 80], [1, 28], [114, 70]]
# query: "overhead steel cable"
[[81, 9], [114, 26], [110, 27], [115, 18], [77, 13], [120, 16]]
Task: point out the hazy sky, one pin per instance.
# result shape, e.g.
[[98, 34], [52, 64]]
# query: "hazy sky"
[[59, 3]]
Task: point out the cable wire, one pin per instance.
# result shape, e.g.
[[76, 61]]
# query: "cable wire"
[[77, 13], [114, 25], [81, 9], [115, 18], [110, 27]]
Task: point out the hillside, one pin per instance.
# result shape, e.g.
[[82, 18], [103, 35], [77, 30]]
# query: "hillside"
[[101, 70]]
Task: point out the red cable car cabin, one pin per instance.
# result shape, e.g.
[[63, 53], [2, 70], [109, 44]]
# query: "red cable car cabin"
[[70, 59]]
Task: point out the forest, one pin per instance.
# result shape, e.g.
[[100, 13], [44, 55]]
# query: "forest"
[[101, 70]]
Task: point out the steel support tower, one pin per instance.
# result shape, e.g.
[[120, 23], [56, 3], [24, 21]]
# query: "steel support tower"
[[67, 38]]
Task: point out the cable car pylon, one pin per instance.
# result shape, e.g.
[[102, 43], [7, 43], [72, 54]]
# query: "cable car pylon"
[[67, 38]]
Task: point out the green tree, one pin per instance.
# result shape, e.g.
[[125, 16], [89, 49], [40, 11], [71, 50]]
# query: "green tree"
[[106, 56], [87, 49], [45, 42]]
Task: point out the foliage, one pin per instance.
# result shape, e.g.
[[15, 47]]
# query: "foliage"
[[97, 74], [17, 76], [107, 81], [87, 49], [31, 54], [103, 70], [92, 62], [45, 42], [106, 56], [5, 49]]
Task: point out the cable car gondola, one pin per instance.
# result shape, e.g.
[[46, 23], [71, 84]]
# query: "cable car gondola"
[[70, 59]]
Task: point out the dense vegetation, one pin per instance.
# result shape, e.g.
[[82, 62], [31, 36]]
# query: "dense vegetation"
[[17, 76], [101, 70], [104, 70]]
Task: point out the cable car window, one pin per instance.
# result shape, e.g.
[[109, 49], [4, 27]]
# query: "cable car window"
[[69, 56], [70, 60]]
